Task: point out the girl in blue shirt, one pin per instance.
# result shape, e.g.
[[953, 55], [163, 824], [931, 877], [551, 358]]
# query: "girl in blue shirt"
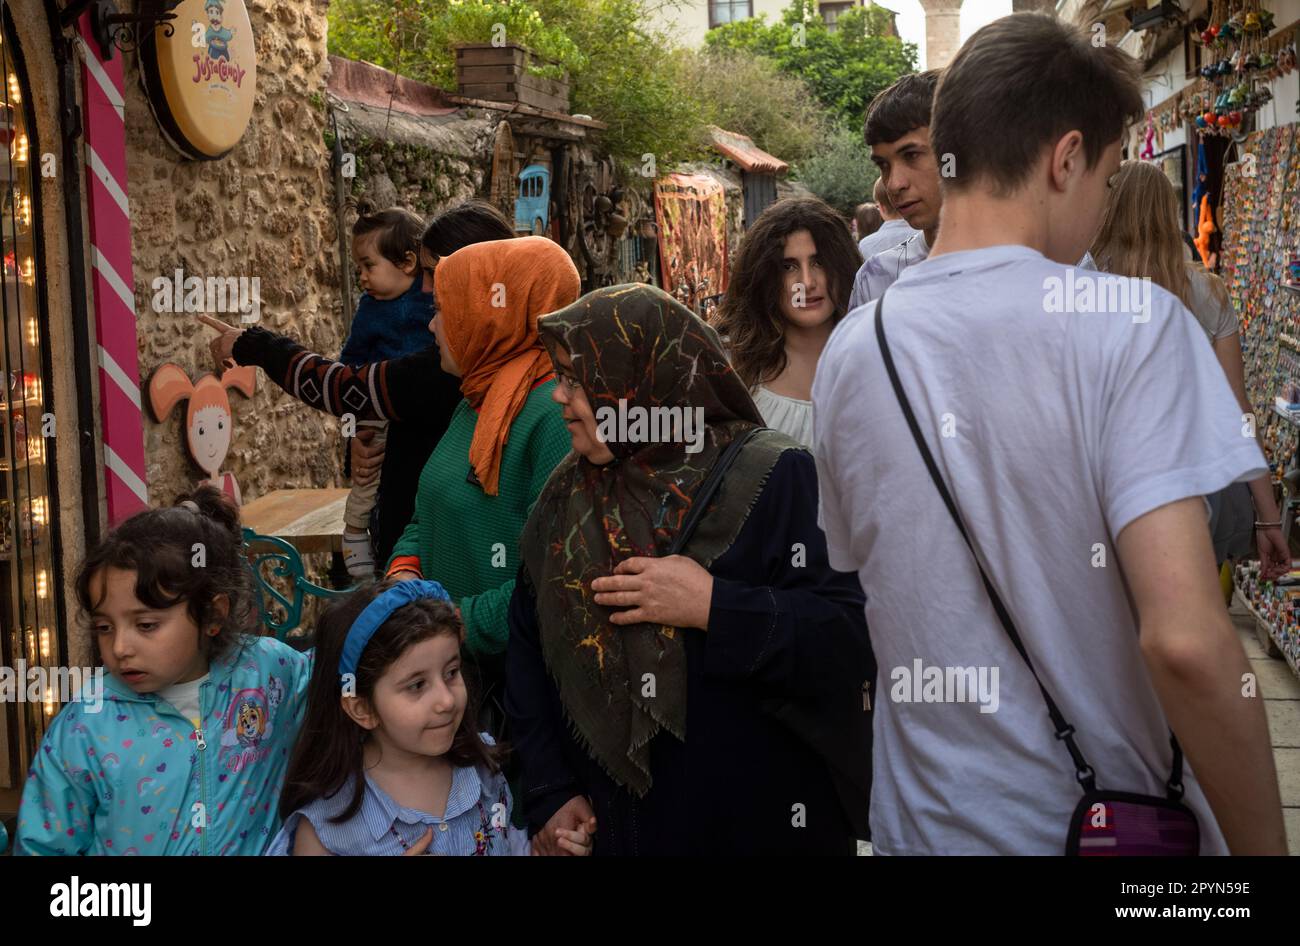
[[187, 750], [390, 760]]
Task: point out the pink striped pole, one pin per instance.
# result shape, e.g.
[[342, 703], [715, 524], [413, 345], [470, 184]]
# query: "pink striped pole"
[[110, 253]]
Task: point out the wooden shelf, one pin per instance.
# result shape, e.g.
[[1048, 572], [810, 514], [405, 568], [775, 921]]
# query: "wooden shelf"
[[1267, 633], [1293, 419], [1286, 655]]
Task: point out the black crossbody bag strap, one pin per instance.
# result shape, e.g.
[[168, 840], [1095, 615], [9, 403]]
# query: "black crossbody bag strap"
[[1064, 731]]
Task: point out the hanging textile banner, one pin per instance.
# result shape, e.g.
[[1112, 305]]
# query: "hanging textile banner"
[[692, 214]]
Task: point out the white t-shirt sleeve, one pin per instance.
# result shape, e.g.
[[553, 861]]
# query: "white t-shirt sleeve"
[[833, 520], [831, 514], [1169, 425], [858, 296]]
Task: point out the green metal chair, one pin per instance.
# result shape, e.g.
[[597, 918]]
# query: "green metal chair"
[[284, 562]]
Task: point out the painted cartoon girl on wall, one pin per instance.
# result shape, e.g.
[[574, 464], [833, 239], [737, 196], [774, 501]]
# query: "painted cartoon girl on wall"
[[208, 420]]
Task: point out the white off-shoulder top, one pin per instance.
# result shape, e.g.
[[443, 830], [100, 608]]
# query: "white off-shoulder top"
[[789, 415]]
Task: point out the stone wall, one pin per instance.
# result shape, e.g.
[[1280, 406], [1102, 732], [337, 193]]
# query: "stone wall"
[[264, 210], [425, 174], [419, 162], [416, 146]]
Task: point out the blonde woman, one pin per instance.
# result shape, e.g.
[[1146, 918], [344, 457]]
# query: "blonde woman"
[[1140, 236]]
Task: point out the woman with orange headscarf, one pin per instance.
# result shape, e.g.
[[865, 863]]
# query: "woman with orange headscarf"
[[505, 435], [468, 515]]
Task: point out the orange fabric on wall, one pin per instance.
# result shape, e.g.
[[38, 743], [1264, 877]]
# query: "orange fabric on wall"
[[1204, 228], [490, 296]]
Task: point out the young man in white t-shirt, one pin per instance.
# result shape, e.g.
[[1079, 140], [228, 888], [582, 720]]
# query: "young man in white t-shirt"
[[897, 130], [1078, 430]]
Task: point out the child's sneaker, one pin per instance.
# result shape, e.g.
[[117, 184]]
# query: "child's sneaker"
[[357, 554]]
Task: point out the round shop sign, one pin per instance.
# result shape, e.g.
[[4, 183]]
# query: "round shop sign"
[[201, 80]]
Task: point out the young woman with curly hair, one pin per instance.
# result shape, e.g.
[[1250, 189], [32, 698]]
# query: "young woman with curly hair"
[[791, 283]]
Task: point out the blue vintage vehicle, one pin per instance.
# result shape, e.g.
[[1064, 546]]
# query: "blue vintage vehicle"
[[533, 205]]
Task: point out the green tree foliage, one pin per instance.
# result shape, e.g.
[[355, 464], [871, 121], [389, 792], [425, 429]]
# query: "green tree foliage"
[[415, 37], [784, 120], [620, 71], [632, 80], [845, 68], [368, 31], [841, 173], [795, 87]]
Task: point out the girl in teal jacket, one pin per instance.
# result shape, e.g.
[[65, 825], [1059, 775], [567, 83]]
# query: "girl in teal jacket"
[[187, 751]]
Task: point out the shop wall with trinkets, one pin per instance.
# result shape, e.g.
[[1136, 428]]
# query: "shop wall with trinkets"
[[1259, 264], [1275, 606], [1259, 213], [1261, 227], [1241, 67], [1241, 60], [262, 210]]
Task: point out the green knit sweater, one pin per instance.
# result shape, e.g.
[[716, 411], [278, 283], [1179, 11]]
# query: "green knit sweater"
[[469, 541]]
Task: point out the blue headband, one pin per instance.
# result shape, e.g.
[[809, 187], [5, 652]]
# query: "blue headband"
[[377, 612]]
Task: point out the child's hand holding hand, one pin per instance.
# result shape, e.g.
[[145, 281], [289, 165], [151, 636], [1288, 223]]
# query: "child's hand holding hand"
[[579, 841], [568, 831]]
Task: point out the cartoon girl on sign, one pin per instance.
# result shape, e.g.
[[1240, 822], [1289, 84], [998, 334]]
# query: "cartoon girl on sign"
[[218, 37], [247, 723], [208, 420]]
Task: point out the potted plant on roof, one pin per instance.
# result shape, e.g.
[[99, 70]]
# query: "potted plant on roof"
[[504, 52]]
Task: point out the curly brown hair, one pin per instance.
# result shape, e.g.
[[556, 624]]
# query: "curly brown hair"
[[749, 318], [158, 546]]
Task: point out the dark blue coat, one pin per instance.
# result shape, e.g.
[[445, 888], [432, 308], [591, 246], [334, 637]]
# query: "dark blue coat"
[[775, 715]]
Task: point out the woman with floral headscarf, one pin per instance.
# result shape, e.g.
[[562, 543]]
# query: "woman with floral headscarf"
[[703, 702]]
